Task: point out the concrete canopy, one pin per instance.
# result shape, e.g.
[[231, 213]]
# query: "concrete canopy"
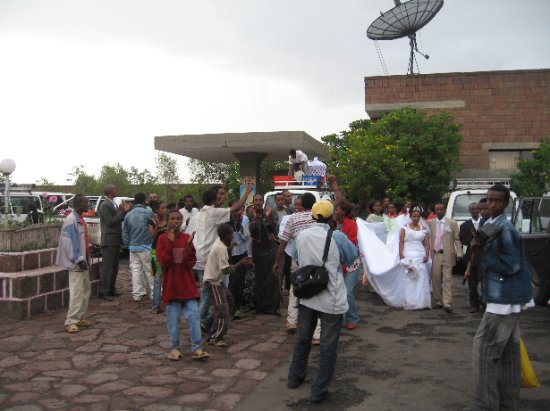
[[226, 147]]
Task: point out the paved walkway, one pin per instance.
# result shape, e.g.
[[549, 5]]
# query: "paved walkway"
[[395, 360], [120, 362]]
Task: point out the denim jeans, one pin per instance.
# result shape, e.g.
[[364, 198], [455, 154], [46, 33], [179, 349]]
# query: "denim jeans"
[[330, 334], [352, 316], [189, 309], [204, 306]]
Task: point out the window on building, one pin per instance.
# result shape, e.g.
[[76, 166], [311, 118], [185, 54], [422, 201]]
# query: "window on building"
[[507, 159]]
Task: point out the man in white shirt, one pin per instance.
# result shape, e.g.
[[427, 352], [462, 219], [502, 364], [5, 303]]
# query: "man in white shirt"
[[507, 291], [297, 161], [206, 224], [188, 211]]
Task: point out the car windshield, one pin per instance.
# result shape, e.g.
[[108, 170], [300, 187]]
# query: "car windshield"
[[20, 203], [463, 201]]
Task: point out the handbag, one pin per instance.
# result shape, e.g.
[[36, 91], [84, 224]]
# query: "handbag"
[[311, 279], [528, 376]]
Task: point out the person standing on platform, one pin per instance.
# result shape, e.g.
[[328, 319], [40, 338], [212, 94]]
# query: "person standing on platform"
[[110, 218], [297, 161]]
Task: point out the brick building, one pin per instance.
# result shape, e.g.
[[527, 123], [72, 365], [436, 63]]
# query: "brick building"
[[504, 114]]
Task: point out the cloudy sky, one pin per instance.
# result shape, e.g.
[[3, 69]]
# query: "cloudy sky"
[[89, 82]]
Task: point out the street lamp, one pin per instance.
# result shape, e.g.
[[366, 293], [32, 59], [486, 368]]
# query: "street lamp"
[[7, 166]]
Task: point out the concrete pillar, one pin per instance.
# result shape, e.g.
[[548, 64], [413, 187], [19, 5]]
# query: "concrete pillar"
[[249, 164]]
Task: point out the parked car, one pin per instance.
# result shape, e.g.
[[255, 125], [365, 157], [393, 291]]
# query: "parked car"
[[20, 203], [532, 220], [460, 200]]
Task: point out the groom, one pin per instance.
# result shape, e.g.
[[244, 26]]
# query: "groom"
[[446, 250]]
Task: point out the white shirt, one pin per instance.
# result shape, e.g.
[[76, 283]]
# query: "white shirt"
[[476, 223], [206, 224], [300, 158], [290, 245], [186, 214]]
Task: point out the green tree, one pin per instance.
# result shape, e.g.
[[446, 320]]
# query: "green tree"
[[84, 183], [405, 154], [119, 177], [167, 176], [533, 178]]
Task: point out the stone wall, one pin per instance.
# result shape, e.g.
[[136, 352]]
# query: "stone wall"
[[498, 109], [30, 284]]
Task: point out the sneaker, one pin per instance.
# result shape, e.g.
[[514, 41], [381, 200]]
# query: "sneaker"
[[292, 384], [351, 326], [200, 355], [315, 341], [237, 314], [138, 298], [174, 355], [156, 310], [217, 343], [448, 309]]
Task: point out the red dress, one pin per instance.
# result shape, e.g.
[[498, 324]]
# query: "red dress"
[[177, 258]]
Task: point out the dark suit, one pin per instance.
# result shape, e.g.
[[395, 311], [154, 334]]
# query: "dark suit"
[[111, 238], [466, 235]]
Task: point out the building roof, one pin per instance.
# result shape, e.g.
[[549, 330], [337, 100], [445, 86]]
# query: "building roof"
[[221, 148]]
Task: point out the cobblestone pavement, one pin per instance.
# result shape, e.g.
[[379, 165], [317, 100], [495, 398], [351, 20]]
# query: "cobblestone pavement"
[[120, 362]]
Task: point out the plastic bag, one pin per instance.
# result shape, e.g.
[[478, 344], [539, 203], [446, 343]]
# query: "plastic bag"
[[528, 376]]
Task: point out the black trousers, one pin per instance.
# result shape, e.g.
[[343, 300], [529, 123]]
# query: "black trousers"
[[109, 269], [237, 281], [473, 281]]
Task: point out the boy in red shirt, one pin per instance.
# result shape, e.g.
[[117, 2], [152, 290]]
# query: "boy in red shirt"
[[176, 256]]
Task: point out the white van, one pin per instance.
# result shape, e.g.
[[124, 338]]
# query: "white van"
[[460, 200]]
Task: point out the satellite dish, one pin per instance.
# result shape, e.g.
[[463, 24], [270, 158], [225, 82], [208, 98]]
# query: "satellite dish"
[[404, 20]]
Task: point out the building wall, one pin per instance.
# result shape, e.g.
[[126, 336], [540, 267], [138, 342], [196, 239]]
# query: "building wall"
[[503, 113]]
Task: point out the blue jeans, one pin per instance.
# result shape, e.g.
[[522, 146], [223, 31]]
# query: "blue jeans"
[[174, 310], [330, 334], [204, 306], [352, 316]]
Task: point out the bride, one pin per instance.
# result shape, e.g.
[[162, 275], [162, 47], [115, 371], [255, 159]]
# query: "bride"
[[414, 252], [394, 258]]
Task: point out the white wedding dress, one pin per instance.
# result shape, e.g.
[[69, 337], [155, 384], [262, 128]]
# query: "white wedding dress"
[[379, 246]]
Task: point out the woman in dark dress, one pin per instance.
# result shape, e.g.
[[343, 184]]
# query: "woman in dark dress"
[[264, 250]]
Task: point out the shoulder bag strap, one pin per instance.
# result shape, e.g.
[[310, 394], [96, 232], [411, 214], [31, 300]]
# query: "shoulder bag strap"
[[327, 246]]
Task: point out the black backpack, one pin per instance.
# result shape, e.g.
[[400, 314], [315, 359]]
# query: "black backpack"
[[310, 280]]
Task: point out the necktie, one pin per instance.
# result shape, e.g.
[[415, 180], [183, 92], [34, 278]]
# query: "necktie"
[[438, 234]]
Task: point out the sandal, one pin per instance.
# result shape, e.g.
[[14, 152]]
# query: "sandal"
[[72, 328], [200, 355], [217, 343], [84, 323], [174, 355]]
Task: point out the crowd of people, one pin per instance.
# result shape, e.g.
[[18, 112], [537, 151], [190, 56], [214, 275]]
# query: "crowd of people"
[[194, 262]]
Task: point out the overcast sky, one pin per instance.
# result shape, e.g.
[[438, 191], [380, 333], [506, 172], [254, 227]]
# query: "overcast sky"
[[92, 82]]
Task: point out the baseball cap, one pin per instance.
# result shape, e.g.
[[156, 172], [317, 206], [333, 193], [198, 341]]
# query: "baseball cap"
[[322, 209]]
